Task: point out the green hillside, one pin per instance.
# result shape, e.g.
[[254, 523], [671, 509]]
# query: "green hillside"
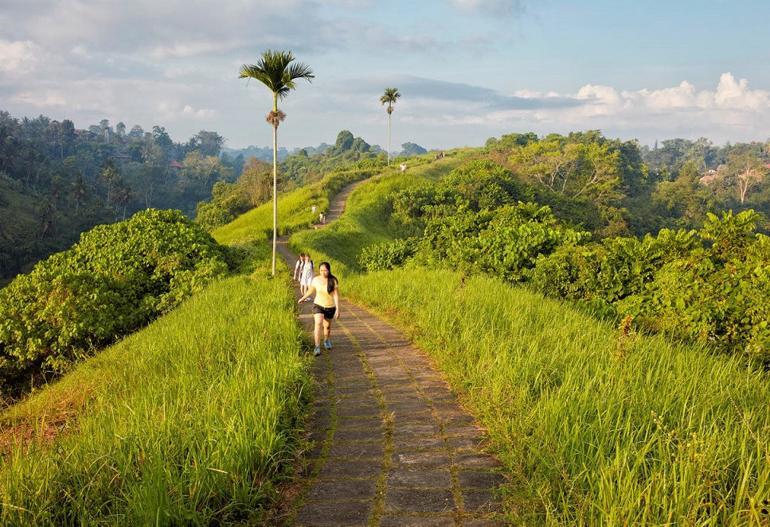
[[194, 418], [595, 424]]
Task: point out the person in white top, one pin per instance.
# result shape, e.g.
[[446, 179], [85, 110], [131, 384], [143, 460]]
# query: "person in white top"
[[298, 266], [306, 275]]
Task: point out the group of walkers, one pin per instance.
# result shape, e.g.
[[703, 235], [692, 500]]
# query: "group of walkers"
[[326, 302]]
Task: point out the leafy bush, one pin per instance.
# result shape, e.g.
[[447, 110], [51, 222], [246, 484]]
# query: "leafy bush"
[[609, 270], [504, 243], [716, 294], [484, 185], [116, 278], [708, 286], [387, 255]]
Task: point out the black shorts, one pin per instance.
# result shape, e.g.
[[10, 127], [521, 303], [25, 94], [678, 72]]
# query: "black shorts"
[[327, 312]]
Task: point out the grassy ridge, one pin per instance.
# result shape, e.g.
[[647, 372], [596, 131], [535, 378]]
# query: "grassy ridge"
[[365, 221], [189, 421], [596, 426], [294, 210]]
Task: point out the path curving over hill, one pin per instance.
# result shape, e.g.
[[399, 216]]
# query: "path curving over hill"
[[393, 445]]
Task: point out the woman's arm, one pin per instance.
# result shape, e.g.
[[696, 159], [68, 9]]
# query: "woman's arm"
[[336, 296], [310, 291]]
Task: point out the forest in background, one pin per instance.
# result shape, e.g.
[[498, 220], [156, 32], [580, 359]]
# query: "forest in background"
[[57, 181]]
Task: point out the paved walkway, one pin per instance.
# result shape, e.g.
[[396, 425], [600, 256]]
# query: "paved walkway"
[[392, 444]]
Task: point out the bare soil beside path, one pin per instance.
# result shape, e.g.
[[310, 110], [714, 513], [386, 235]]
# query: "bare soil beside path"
[[392, 444]]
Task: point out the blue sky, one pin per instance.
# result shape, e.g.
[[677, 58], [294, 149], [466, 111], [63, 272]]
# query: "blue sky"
[[468, 69]]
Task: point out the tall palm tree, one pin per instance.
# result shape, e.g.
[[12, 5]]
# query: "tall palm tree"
[[275, 70], [390, 97]]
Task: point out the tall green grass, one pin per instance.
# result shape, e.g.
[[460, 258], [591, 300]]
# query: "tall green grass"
[[190, 421], [596, 426]]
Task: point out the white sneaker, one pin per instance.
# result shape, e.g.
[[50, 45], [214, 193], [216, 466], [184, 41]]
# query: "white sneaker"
[[317, 352]]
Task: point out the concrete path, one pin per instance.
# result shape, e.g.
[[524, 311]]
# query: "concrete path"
[[392, 444]]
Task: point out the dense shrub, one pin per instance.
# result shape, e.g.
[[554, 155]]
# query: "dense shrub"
[[505, 242], [609, 270], [708, 286], [716, 294], [116, 278], [484, 185], [387, 255]]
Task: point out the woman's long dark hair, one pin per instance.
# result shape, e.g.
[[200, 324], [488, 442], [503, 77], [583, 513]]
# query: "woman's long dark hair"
[[331, 281]]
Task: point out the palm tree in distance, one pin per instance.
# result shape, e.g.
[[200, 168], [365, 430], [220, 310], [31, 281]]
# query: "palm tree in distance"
[[390, 97], [275, 70]]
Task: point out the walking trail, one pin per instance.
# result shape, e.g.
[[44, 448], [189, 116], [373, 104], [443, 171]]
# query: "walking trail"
[[393, 446]]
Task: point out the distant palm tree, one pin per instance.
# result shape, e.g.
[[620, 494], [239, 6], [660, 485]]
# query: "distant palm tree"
[[390, 97], [275, 70]]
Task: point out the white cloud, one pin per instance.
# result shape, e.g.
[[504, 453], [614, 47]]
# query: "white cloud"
[[200, 112], [18, 57], [731, 111]]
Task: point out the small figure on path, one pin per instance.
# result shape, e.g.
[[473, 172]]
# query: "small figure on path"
[[298, 267], [313, 208], [321, 217], [325, 305], [306, 274], [402, 166]]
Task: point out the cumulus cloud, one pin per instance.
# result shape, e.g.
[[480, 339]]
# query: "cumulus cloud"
[[730, 111], [41, 99], [175, 64]]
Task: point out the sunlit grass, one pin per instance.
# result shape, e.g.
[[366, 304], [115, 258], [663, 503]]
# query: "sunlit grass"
[[366, 218], [594, 426], [192, 420], [294, 210]]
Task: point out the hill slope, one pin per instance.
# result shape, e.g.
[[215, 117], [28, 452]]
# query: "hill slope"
[[595, 424]]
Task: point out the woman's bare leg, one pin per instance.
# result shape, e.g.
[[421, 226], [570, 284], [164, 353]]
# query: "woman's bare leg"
[[319, 323], [327, 329]]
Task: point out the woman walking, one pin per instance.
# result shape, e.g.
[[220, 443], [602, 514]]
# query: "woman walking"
[[298, 267], [325, 305], [306, 275]]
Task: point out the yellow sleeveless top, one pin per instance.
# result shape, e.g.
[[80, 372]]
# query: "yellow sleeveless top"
[[322, 298]]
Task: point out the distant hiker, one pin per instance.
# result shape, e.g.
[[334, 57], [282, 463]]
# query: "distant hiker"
[[321, 218], [326, 305], [312, 209], [298, 266], [306, 276], [402, 166], [440, 155]]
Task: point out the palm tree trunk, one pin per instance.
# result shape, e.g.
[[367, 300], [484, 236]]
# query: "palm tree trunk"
[[388, 138], [275, 181]]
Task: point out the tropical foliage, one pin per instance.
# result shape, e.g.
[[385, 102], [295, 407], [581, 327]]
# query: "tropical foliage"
[[115, 279], [194, 420], [57, 181]]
